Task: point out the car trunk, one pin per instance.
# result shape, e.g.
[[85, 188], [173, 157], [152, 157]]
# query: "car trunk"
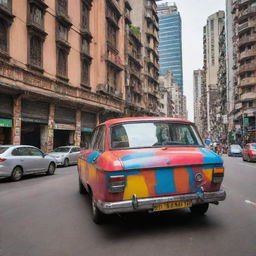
[[166, 171]]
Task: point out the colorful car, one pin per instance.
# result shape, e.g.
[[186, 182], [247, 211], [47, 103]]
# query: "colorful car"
[[249, 152], [149, 164]]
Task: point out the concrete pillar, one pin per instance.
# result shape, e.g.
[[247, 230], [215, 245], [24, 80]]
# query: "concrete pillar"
[[16, 129], [97, 118], [51, 124], [78, 128], [43, 137]]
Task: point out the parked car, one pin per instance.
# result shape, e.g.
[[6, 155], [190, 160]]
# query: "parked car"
[[149, 164], [235, 150], [249, 152], [16, 161], [66, 155]]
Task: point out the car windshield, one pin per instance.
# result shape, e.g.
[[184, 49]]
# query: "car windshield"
[[3, 149], [253, 146], [62, 149], [153, 134], [235, 147]]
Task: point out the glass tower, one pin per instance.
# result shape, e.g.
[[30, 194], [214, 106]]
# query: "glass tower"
[[170, 46]]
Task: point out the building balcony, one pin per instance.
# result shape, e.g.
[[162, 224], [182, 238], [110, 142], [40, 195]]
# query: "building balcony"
[[246, 13], [108, 90], [246, 26], [241, 2], [247, 67], [248, 81], [135, 74], [113, 57], [152, 33], [247, 39], [134, 56], [248, 96], [247, 54]]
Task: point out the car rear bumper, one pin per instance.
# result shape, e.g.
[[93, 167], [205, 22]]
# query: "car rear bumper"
[[147, 204]]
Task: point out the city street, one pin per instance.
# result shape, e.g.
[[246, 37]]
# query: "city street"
[[46, 216]]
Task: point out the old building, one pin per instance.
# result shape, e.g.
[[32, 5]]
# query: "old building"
[[61, 69], [197, 84], [244, 40], [144, 16], [213, 29]]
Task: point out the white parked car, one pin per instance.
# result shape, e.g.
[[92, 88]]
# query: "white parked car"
[[19, 160], [66, 155]]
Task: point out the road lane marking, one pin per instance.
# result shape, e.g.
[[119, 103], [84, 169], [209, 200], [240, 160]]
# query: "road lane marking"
[[248, 165], [250, 202]]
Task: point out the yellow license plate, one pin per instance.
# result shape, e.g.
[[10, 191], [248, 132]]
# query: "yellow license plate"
[[171, 206]]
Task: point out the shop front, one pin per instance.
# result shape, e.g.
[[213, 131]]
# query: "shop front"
[[34, 123], [64, 128], [6, 122], [88, 123]]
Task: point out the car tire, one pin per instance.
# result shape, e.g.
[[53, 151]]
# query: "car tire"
[[82, 189], [244, 159], [66, 162], [199, 209], [98, 217], [17, 173], [51, 169]]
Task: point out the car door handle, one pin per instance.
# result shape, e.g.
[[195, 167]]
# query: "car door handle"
[[22, 160]]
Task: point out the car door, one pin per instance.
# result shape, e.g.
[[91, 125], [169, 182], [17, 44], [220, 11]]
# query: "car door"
[[75, 153], [22, 158], [39, 162]]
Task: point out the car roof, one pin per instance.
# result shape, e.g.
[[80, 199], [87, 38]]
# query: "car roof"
[[138, 119], [9, 146]]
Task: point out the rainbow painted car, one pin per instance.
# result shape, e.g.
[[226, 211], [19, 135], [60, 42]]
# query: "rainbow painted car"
[[149, 164]]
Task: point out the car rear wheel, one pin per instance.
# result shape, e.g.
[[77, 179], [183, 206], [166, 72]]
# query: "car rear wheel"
[[66, 162], [82, 189], [17, 173], [199, 209], [97, 216], [51, 169]]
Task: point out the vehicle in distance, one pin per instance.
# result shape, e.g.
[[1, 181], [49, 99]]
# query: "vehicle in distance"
[[235, 150], [249, 152], [66, 155], [19, 160], [149, 164]]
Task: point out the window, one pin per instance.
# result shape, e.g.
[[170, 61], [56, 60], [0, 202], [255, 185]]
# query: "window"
[[35, 152], [5, 3], [100, 140], [35, 51], [3, 36], [36, 15], [62, 32], [62, 7], [85, 69], [159, 134], [112, 35], [111, 77], [85, 46], [62, 57], [85, 16]]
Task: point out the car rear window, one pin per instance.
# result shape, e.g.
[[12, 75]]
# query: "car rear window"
[[153, 134], [3, 149], [253, 146]]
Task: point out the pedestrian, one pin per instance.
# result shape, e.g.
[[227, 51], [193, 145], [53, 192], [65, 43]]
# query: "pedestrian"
[[219, 149]]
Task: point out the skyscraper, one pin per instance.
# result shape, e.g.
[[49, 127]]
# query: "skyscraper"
[[170, 47]]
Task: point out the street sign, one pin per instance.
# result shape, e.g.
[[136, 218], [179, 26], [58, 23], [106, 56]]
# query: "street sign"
[[5, 122], [246, 121]]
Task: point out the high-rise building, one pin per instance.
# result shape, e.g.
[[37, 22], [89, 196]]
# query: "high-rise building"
[[244, 22], [213, 29], [170, 47], [198, 79], [144, 16]]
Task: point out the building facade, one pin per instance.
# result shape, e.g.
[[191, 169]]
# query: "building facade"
[[197, 88], [170, 46], [244, 41], [63, 69], [144, 17], [213, 29]]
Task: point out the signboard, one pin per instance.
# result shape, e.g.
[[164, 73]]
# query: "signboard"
[[86, 130], [70, 127], [246, 121], [5, 122]]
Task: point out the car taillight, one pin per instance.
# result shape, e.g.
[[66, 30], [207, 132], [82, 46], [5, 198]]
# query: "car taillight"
[[116, 184], [2, 160], [218, 174]]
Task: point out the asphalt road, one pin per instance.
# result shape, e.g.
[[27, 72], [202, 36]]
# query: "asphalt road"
[[46, 216]]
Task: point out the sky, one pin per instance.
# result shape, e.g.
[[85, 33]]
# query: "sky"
[[194, 14]]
